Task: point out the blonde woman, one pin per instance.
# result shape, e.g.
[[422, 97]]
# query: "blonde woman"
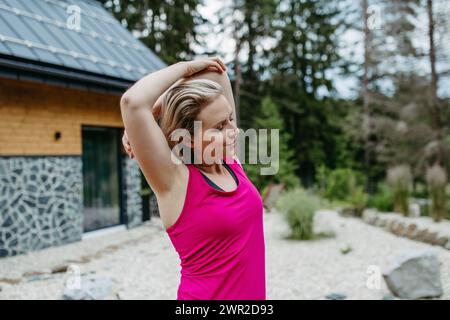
[[210, 210]]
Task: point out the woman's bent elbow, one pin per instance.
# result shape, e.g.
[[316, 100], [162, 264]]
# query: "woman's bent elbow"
[[125, 101]]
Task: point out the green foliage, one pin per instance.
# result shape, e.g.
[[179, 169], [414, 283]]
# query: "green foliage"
[[383, 199], [420, 190], [298, 206], [317, 128], [297, 81], [358, 199], [343, 185], [346, 249], [270, 119], [172, 40], [437, 182], [399, 179]]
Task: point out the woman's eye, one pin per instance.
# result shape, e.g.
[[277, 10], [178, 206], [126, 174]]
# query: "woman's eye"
[[221, 126]]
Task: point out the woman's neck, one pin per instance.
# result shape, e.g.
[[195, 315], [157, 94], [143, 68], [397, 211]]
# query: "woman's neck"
[[214, 168]]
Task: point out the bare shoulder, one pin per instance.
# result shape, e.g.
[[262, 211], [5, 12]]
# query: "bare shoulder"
[[171, 202]]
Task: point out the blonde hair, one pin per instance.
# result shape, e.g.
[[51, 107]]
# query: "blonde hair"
[[182, 104]]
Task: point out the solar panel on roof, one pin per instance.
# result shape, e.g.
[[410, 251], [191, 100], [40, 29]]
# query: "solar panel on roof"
[[37, 30], [4, 49], [24, 32]]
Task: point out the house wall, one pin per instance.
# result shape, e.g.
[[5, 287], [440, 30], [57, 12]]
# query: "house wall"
[[41, 183], [31, 113]]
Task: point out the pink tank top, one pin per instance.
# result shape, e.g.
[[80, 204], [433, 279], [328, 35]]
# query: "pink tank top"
[[219, 237]]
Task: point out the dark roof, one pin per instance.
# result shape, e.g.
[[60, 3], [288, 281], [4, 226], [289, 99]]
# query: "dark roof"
[[35, 34]]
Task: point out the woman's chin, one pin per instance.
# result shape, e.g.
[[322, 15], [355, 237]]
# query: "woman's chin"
[[230, 151]]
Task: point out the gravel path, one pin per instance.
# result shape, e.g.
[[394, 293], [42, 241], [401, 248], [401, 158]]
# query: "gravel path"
[[144, 265]]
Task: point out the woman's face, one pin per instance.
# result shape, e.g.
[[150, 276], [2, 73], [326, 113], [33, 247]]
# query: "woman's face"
[[218, 131]]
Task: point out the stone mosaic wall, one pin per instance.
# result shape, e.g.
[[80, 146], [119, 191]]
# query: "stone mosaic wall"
[[154, 210], [41, 200], [132, 189]]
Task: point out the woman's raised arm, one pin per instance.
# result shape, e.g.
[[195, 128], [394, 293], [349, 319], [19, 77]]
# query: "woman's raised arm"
[[145, 136]]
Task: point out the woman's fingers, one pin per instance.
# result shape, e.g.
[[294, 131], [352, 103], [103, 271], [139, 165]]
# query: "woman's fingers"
[[221, 63], [127, 146], [214, 69], [217, 65]]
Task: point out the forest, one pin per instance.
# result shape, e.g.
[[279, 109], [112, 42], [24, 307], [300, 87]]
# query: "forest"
[[358, 89]]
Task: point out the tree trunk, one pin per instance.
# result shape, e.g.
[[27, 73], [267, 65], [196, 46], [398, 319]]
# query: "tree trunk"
[[434, 101], [366, 97]]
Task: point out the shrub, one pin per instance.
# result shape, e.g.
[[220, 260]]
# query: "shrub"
[[383, 199], [298, 206], [270, 118], [437, 182], [399, 179], [358, 199], [420, 190], [343, 185]]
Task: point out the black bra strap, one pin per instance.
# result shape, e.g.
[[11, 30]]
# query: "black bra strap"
[[212, 184]]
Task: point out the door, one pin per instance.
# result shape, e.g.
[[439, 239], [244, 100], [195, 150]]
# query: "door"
[[101, 177]]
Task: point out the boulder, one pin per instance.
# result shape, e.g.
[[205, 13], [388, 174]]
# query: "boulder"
[[369, 216], [336, 296], [94, 288], [431, 237], [414, 275], [381, 222], [441, 241], [411, 231], [399, 229], [421, 234]]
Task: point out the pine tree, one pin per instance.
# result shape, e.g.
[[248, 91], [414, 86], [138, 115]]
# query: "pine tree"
[[248, 22], [169, 28], [270, 119], [305, 50]]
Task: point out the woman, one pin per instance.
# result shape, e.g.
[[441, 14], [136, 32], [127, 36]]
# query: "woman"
[[210, 210]]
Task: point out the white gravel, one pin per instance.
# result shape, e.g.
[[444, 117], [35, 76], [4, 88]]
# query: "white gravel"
[[144, 265]]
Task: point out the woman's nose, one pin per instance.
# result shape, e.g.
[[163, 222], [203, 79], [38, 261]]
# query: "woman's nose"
[[233, 125], [232, 132]]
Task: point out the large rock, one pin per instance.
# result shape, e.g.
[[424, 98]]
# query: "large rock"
[[369, 216], [93, 288], [411, 231], [414, 275]]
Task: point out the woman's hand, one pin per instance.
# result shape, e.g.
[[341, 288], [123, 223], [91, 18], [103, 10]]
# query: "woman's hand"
[[195, 66], [127, 146], [156, 108], [192, 68]]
